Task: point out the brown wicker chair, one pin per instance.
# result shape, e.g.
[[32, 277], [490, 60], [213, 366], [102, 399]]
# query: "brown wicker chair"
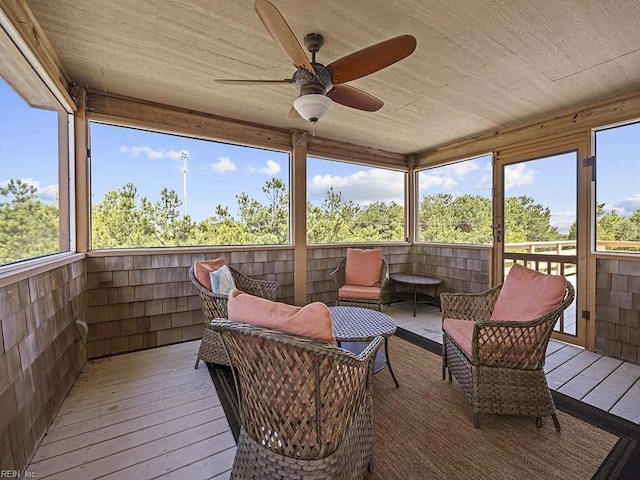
[[505, 373], [305, 406], [338, 277], [215, 306]]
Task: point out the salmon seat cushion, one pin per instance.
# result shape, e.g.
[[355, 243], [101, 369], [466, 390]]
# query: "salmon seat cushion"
[[527, 294], [364, 267], [312, 320], [202, 270]]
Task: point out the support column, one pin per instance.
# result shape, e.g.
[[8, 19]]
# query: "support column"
[[81, 138], [299, 215]]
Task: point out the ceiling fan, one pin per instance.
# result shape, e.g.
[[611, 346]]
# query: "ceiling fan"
[[321, 85]]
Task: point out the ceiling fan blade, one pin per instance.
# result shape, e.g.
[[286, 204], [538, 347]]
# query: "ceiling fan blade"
[[251, 82], [354, 98], [281, 33], [371, 59]]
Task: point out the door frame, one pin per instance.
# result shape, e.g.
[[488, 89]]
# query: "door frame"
[[585, 288]]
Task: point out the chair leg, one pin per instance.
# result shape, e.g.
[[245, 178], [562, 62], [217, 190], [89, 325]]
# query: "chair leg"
[[539, 422], [476, 420], [556, 422], [197, 362], [386, 352]]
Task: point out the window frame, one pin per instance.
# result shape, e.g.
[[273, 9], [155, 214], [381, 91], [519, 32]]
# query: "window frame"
[[593, 234], [417, 199], [374, 165], [139, 125], [38, 74]]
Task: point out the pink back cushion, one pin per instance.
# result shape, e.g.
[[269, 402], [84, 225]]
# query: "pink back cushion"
[[527, 294], [364, 267], [202, 270], [312, 321]]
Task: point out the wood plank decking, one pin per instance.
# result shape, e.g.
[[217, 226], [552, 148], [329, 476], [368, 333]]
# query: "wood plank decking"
[[149, 414], [142, 415]]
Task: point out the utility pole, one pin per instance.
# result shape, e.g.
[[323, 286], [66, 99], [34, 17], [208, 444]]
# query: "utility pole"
[[185, 157]]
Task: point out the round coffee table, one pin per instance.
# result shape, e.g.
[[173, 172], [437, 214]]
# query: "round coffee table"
[[415, 279], [356, 324]]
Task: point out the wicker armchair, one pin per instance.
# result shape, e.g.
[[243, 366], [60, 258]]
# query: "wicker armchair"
[[215, 306], [338, 278], [504, 373], [305, 406]]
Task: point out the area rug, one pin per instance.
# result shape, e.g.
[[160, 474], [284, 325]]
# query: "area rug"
[[423, 430]]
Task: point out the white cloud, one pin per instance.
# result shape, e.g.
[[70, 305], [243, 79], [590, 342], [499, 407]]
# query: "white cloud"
[[485, 182], [46, 193], [516, 175], [427, 181], [459, 169], [566, 213], [271, 168], [151, 153], [224, 164], [443, 177], [363, 187], [50, 192], [626, 206]]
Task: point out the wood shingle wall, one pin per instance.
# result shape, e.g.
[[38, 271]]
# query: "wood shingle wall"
[[462, 269], [618, 309], [142, 301], [41, 354]]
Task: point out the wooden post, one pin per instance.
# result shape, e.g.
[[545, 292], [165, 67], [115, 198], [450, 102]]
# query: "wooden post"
[[299, 216], [81, 137]]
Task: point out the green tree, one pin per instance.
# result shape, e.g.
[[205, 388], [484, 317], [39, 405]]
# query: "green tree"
[[124, 219], [28, 227], [266, 224], [333, 221], [380, 222], [612, 226], [221, 229], [163, 222], [462, 219], [526, 221]]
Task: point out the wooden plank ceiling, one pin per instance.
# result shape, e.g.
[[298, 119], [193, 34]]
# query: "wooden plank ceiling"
[[479, 66]]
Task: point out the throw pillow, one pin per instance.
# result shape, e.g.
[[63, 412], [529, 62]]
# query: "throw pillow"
[[363, 267], [312, 321], [222, 280], [527, 294], [203, 268]]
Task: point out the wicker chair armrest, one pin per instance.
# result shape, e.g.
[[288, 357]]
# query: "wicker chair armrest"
[[260, 288], [512, 343], [338, 275], [469, 306]]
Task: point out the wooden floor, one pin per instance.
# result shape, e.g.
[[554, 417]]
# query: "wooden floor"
[[149, 414], [606, 383], [139, 416]]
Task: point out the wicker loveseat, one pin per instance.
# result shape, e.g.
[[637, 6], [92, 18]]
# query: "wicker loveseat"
[[305, 405], [215, 306], [499, 363]]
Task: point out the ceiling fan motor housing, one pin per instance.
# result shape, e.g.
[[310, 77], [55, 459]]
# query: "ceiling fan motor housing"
[[306, 82]]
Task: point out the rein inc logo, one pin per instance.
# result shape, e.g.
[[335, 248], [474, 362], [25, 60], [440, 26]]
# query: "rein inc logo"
[[17, 474]]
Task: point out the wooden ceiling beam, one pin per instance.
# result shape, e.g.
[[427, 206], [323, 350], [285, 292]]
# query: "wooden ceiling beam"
[[615, 110]]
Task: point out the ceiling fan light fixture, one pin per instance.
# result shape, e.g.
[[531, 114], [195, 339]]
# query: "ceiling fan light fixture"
[[313, 106]]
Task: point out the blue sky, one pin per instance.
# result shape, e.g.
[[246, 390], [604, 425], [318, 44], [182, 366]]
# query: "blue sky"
[[218, 172]]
